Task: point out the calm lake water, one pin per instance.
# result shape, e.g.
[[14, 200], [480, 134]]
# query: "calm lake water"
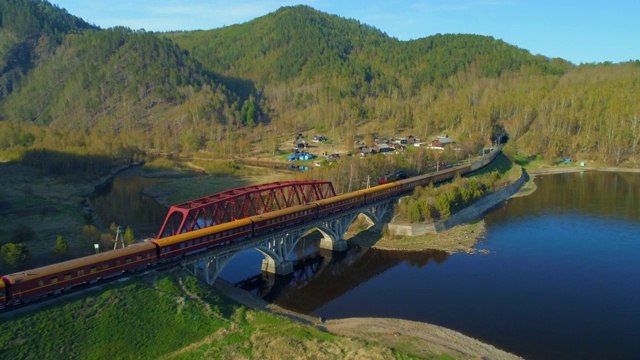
[[122, 202], [561, 280]]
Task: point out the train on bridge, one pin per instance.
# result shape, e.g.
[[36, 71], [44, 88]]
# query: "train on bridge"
[[37, 284]]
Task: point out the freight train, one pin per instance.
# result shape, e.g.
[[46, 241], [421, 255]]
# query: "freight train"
[[36, 284]]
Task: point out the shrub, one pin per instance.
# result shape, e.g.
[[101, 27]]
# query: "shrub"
[[61, 246], [14, 254], [158, 165]]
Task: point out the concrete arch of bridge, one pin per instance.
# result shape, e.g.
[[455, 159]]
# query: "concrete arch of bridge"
[[375, 223], [333, 233], [215, 266]]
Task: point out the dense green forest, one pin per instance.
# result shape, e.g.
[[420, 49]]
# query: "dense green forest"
[[243, 89], [30, 32]]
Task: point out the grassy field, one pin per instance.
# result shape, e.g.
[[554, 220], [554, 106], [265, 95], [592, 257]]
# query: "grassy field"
[[52, 206], [48, 206], [168, 316]]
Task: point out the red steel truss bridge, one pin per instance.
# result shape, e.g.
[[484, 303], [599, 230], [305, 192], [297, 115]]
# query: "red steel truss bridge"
[[240, 203]]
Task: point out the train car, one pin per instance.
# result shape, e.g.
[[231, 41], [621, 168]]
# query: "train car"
[[412, 182], [288, 216], [381, 191], [449, 174], [476, 165], [340, 202], [485, 160], [3, 294], [424, 180], [52, 279], [174, 247]]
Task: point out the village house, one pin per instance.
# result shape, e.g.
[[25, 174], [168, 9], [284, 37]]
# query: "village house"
[[440, 142], [383, 148]]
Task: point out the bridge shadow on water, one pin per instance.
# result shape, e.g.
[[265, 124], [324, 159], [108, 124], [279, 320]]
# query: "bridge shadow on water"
[[321, 276]]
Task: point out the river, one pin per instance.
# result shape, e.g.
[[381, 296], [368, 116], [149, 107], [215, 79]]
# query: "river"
[[561, 279], [122, 202]]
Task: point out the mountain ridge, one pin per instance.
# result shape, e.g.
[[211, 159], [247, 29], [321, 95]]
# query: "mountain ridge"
[[301, 69]]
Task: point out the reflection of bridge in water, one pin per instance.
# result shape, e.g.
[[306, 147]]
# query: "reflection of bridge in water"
[[325, 275]]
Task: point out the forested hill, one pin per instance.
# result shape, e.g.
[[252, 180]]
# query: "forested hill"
[[115, 75], [29, 32], [300, 43], [297, 69]]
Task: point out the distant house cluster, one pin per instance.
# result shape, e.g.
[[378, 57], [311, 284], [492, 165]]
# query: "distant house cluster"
[[300, 147], [380, 145], [385, 145]]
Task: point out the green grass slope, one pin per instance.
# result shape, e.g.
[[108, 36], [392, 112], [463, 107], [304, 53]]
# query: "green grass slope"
[[169, 316]]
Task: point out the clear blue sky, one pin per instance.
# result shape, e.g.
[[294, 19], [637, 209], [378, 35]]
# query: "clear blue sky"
[[583, 31]]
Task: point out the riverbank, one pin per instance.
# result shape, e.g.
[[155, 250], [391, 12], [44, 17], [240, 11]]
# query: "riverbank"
[[459, 233], [461, 238]]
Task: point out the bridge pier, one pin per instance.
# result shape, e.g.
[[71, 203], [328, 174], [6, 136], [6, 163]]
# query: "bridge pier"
[[269, 265]]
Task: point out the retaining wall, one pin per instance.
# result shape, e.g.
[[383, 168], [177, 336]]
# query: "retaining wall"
[[468, 214]]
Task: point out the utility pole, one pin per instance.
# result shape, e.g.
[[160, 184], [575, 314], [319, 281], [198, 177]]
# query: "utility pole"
[[350, 176], [118, 234]]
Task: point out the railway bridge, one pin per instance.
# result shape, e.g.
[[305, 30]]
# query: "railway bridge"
[[275, 245]]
